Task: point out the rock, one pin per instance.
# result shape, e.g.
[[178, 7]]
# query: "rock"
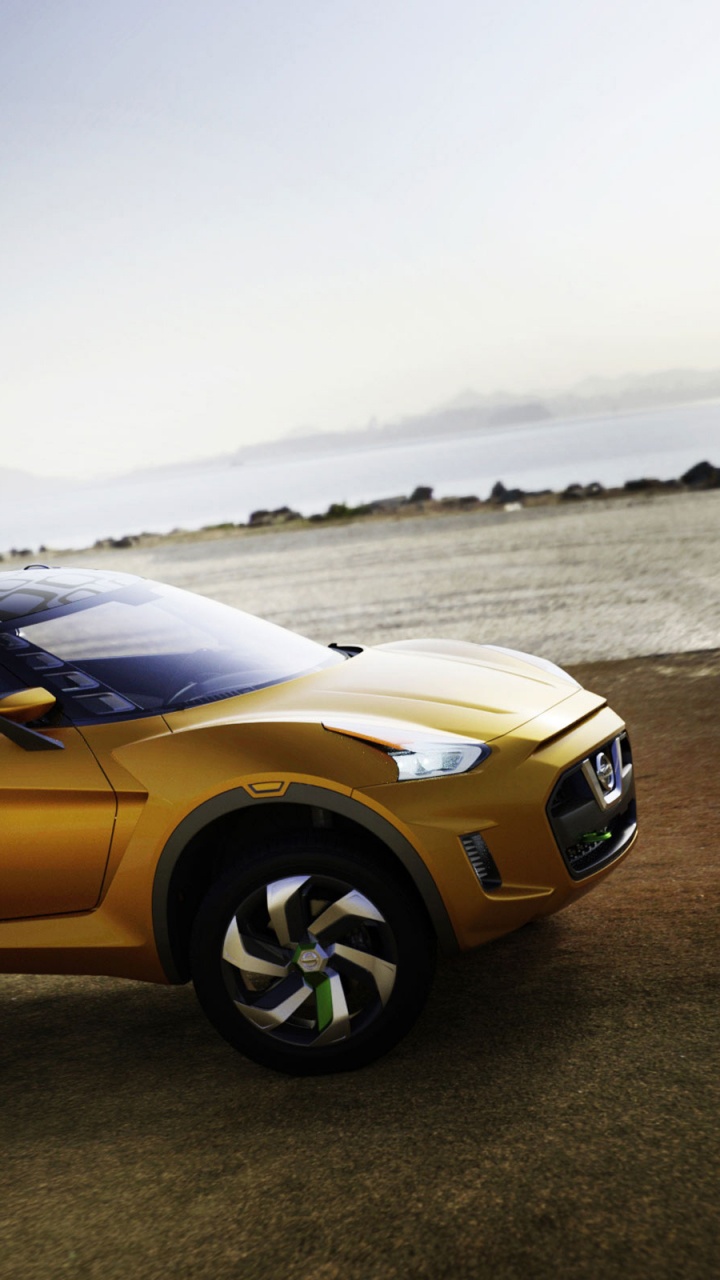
[[107, 544], [643, 485], [576, 492], [500, 495], [384, 505], [281, 515], [702, 476], [460, 504], [421, 493], [573, 493]]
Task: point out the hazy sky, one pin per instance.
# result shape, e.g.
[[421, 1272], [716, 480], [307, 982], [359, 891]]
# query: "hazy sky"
[[225, 219]]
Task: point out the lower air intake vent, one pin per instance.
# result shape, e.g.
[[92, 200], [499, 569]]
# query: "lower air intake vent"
[[481, 860]]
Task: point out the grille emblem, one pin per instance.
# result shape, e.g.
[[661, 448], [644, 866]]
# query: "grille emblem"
[[605, 772]]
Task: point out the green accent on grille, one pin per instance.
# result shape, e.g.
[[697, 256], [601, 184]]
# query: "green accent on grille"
[[591, 837]]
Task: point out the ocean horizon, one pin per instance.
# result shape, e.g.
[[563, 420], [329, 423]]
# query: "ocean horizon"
[[609, 449]]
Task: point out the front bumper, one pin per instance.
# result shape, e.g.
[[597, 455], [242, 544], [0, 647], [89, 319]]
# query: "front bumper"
[[529, 820]]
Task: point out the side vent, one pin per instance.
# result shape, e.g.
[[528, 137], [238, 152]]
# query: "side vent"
[[481, 861]]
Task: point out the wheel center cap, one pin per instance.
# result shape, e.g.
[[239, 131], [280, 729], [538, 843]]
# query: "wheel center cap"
[[310, 959]]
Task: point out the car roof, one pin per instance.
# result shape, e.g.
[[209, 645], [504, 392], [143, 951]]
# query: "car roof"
[[39, 589]]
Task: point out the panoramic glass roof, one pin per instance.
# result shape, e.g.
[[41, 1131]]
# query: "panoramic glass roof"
[[31, 591]]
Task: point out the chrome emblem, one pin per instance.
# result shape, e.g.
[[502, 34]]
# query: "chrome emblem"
[[605, 772], [308, 961]]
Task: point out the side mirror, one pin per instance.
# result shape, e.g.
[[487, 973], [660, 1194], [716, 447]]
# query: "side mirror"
[[17, 708], [26, 704]]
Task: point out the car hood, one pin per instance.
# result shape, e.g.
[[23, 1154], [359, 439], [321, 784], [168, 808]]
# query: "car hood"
[[476, 691]]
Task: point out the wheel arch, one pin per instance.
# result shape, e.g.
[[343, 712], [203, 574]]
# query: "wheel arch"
[[206, 840]]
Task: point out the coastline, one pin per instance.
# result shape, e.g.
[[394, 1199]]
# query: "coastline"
[[702, 477]]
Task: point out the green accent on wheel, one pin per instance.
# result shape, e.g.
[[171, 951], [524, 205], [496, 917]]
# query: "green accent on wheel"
[[324, 1003], [297, 953]]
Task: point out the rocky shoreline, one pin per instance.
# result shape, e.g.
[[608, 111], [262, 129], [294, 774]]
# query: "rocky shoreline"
[[703, 476]]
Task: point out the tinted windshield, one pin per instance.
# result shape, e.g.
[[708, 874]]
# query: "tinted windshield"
[[153, 648]]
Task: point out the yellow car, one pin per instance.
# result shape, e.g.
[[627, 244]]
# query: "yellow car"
[[191, 792]]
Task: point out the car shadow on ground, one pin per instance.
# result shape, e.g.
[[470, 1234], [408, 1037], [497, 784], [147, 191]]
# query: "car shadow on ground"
[[131, 1045]]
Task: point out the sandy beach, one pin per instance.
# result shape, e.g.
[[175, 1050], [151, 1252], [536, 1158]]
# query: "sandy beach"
[[604, 579]]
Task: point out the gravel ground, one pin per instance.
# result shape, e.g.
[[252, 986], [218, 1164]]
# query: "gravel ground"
[[601, 580], [553, 1115], [555, 1112]]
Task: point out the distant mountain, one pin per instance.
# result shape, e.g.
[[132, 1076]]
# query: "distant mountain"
[[696, 384], [468, 412], [423, 426], [636, 391], [632, 390]]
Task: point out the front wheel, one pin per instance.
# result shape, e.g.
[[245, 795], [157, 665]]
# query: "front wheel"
[[310, 959]]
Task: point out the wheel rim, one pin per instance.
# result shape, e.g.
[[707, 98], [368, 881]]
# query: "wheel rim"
[[309, 960]]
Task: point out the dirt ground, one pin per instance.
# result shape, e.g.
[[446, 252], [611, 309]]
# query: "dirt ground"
[[554, 1114]]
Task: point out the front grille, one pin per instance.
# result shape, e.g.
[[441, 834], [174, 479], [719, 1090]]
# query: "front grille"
[[481, 861], [592, 828]]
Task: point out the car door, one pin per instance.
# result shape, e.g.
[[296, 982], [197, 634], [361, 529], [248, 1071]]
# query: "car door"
[[57, 815]]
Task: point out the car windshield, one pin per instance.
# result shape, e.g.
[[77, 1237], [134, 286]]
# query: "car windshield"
[[153, 647]]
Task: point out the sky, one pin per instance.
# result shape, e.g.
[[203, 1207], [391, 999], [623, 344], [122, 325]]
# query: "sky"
[[226, 220]]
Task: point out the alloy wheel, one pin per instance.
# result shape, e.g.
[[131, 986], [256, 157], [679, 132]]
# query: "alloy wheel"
[[309, 960]]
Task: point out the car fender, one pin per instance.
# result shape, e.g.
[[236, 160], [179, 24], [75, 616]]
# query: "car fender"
[[299, 793]]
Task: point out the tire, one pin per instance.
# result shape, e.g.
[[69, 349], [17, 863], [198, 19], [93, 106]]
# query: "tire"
[[311, 959]]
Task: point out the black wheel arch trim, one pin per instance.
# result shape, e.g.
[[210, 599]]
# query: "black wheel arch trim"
[[303, 794]]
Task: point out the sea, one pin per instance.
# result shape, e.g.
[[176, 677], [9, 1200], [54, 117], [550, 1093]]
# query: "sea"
[[609, 448]]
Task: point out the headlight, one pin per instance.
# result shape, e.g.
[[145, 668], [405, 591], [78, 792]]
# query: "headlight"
[[436, 760], [418, 752]]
